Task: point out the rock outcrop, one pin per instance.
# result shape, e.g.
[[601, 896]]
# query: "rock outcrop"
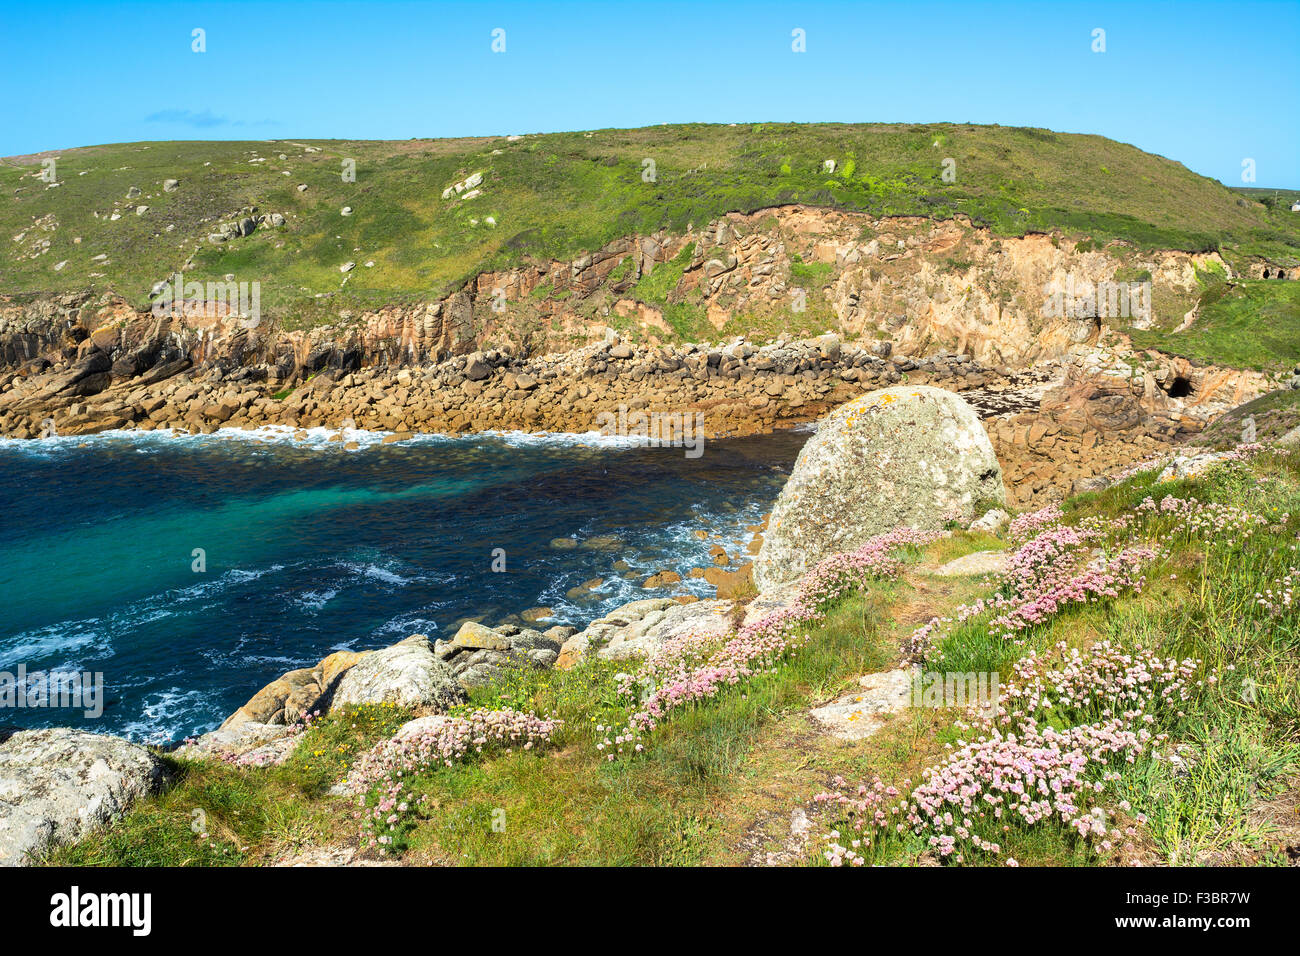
[[58, 785], [477, 654], [290, 696], [910, 456], [407, 674], [640, 628], [859, 714]]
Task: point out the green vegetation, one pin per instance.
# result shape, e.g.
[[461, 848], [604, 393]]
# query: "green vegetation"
[[1250, 323], [810, 275], [559, 195]]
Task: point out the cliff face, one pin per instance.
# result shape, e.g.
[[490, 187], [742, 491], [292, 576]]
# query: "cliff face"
[[921, 284], [553, 345]]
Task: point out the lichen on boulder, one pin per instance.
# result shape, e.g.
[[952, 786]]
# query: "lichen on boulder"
[[58, 785], [907, 456]]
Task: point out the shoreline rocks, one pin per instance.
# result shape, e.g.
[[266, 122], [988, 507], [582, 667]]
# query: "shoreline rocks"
[[408, 674], [477, 654]]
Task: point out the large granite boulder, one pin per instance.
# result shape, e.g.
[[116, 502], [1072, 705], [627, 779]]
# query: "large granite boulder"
[[58, 785], [908, 456], [407, 674]]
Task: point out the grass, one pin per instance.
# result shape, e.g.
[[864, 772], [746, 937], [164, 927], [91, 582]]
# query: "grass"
[[1274, 414], [558, 195], [1252, 323]]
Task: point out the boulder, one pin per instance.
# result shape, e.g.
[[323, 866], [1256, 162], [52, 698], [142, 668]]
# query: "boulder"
[[1190, 466], [860, 714], [906, 456], [993, 521], [407, 674], [248, 742], [641, 627], [477, 654], [58, 785], [980, 562], [298, 692]]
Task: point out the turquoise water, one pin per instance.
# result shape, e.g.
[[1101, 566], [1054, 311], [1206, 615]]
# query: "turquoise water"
[[308, 548]]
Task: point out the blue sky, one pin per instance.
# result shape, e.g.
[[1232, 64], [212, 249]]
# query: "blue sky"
[[1207, 84]]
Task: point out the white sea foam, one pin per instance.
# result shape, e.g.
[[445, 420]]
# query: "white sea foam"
[[99, 633], [318, 437], [162, 713]]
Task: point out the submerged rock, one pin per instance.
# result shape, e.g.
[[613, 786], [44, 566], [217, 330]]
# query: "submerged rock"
[[58, 785], [911, 456]]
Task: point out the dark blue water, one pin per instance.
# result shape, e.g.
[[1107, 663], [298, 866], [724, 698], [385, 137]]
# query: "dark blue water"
[[310, 548]]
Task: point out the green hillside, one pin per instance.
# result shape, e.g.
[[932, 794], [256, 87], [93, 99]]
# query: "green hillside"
[[558, 195]]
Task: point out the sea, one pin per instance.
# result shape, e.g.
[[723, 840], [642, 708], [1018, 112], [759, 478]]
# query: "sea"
[[186, 572]]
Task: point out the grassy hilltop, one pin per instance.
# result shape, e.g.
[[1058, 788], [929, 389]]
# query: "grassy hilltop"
[[558, 195]]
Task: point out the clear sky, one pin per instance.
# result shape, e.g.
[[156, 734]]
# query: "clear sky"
[[1206, 83]]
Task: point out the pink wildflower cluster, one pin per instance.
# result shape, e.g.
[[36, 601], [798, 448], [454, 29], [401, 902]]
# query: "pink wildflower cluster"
[[866, 811], [1022, 779], [378, 775], [1022, 774], [448, 739], [1243, 452], [1046, 573], [1103, 577], [1029, 525], [756, 648], [1105, 682], [852, 570], [1280, 598], [1043, 555], [689, 670], [1149, 464], [1023, 770], [1227, 525], [267, 756]]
